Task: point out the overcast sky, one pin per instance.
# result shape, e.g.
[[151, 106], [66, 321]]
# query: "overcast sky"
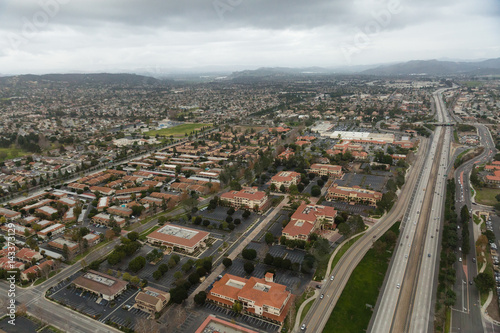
[[41, 36]]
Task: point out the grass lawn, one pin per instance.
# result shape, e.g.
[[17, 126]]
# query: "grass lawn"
[[306, 309], [343, 250], [486, 196], [179, 130], [351, 313], [10, 153]]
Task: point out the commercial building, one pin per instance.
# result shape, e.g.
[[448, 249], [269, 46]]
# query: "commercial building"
[[259, 297], [248, 197], [362, 137], [326, 170], [308, 218], [213, 324], [103, 285], [353, 195], [178, 238], [151, 300], [285, 178]]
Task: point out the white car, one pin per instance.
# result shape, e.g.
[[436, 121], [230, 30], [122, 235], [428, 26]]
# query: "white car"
[[303, 327], [398, 285], [332, 277]]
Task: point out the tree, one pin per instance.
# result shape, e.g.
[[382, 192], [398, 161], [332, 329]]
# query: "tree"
[[178, 294], [269, 238], [186, 267], [344, 229], [248, 267], [246, 214], [268, 259], [200, 298], [163, 268], [133, 236], [249, 254], [230, 211], [237, 221], [126, 276], [65, 251], [178, 275], [315, 191], [137, 264], [484, 282], [157, 274], [194, 278], [198, 220], [227, 262], [135, 280], [282, 188], [237, 307]]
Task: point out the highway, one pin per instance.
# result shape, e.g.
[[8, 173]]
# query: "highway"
[[405, 301], [320, 311]]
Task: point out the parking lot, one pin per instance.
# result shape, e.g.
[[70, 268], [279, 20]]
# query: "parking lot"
[[357, 209], [23, 325], [295, 255], [249, 320], [373, 182], [295, 281]]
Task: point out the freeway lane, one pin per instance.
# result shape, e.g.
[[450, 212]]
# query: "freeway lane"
[[319, 314], [421, 318], [394, 308]]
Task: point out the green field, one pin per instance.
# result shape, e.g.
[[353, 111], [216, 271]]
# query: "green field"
[[10, 153], [486, 196], [179, 130], [351, 313]]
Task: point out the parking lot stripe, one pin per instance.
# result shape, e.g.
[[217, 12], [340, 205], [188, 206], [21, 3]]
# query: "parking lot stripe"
[[119, 307]]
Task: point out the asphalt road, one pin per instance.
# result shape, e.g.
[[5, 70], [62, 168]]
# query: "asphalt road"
[[406, 298], [466, 313]]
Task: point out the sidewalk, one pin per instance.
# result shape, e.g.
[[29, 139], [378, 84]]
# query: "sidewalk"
[[302, 306]]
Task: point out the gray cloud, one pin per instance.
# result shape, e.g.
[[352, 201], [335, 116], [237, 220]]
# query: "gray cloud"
[[127, 34]]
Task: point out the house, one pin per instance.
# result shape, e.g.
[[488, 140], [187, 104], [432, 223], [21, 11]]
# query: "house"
[[103, 218], [28, 255], [37, 269], [51, 230]]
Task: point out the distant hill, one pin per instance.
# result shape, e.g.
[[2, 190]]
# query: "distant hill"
[[436, 67], [101, 78]]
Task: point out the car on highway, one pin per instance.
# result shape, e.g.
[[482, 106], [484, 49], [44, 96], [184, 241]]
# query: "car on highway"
[[322, 295], [474, 260], [470, 282], [459, 259], [303, 327], [332, 277], [429, 255], [398, 285]]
